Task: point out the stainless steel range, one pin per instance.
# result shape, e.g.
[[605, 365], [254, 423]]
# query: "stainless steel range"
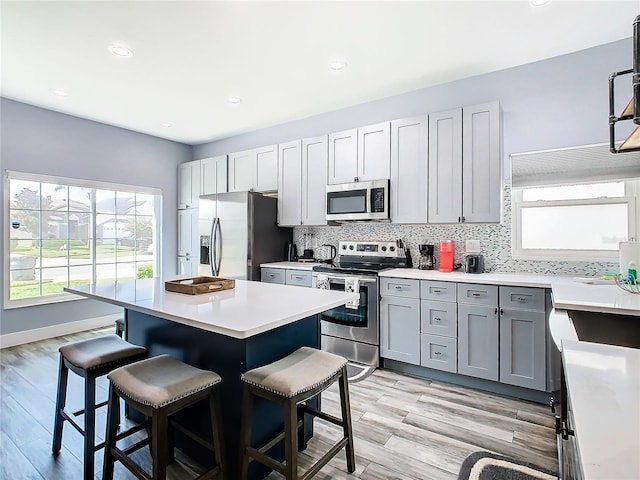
[[353, 330]]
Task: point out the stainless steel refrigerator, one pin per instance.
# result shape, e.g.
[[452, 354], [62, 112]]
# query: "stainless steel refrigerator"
[[239, 231]]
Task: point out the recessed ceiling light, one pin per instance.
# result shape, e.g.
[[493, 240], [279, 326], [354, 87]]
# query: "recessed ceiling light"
[[538, 3], [120, 51], [165, 124], [60, 92], [337, 65], [234, 99]]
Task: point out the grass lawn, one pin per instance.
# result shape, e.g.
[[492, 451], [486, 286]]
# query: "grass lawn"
[[31, 288]]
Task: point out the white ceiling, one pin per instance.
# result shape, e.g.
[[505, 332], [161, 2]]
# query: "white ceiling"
[[190, 56]]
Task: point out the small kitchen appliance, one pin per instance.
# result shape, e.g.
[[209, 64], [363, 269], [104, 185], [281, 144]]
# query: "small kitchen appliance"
[[474, 264], [292, 252], [447, 255], [427, 258], [354, 333], [325, 257], [358, 201]]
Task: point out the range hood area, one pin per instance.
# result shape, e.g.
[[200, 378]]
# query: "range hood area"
[[632, 110]]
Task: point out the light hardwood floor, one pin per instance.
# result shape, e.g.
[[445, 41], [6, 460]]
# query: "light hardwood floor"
[[406, 428]]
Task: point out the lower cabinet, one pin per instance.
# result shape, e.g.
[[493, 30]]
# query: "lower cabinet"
[[478, 341], [300, 278], [399, 322], [523, 337]]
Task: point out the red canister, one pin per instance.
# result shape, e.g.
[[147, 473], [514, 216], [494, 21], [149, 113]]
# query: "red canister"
[[447, 254]]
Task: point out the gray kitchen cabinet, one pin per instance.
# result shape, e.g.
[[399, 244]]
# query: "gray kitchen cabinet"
[[290, 183], [438, 352], [272, 275], [315, 157], [439, 318], [399, 287], [360, 154], [343, 156], [374, 152], [255, 169], [213, 175], [241, 171], [438, 326], [302, 180], [523, 337], [409, 170], [301, 278], [188, 184], [465, 165], [188, 242], [399, 327], [478, 341]]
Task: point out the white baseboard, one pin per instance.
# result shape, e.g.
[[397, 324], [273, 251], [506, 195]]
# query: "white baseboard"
[[37, 334]]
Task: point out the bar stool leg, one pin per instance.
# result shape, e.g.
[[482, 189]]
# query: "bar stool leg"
[[159, 430], [61, 399], [245, 431], [113, 418], [215, 402], [89, 425], [291, 440], [345, 406]]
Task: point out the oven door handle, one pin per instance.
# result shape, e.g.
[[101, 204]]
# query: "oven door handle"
[[340, 280]]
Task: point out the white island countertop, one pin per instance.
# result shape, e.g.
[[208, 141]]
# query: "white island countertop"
[[603, 382], [246, 310]]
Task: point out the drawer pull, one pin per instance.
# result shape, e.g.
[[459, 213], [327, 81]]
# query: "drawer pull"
[[475, 294], [437, 319], [398, 287], [437, 354], [298, 277], [521, 299], [272, 275], [436, 290]]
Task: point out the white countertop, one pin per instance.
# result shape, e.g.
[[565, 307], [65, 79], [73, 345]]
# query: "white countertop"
[[246, 310], [516, 279], [604, 391], [292, 265]]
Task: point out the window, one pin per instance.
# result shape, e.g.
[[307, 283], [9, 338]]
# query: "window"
[[574, 222], [70, 232]]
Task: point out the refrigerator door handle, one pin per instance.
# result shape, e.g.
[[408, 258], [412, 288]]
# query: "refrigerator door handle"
[[218, 245], [212, 255]]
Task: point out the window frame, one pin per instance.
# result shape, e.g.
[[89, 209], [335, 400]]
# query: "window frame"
[[70, 182], [630, 198]]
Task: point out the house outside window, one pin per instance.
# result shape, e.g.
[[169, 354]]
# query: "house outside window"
[[66, 232]]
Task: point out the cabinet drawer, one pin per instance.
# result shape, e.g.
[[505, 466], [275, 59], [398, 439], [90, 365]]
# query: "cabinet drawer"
[[439, 318], [400, 287], [298, 277], [438, 352], [522, 297], [442, 291], [477, 294], [272, 275]]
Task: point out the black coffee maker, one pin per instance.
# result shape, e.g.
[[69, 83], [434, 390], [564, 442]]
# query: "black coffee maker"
[[427, 258]]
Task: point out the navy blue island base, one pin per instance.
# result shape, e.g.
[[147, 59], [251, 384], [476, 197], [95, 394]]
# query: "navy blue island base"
[[229, 357]]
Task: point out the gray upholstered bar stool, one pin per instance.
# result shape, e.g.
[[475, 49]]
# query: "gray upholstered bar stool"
[[159, 387], [120, 327], [291, 382], [89, 359]]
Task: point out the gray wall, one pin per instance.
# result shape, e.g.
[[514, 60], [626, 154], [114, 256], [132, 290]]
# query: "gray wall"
[[553, 103], [36, 140]]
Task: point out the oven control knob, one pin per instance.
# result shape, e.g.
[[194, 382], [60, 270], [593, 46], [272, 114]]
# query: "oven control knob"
[[344, 247], [384, 249], [350, 247], [392, 249]]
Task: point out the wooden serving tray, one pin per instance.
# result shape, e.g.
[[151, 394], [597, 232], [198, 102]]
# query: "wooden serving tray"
[[197, 285]]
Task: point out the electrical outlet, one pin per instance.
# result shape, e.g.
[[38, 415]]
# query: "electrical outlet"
[[472, 246]]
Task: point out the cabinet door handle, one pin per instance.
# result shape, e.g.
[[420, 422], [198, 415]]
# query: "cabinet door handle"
[[496, 311], [501, 311]]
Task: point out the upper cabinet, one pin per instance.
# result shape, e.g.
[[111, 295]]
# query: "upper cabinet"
[[360, 154], [213, 175], [465, 165], [188, 184], [408, 190], [255, 169], [302, 180]]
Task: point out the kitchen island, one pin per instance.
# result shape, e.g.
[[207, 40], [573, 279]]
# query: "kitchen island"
[[228, 332]]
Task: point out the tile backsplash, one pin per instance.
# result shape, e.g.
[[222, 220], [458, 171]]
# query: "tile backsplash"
[[495, 242]]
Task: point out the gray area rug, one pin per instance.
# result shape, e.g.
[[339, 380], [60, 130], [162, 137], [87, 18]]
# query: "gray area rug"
[[489, 466]]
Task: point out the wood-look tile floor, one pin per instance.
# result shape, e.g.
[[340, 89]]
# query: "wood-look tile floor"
[[405, 428]]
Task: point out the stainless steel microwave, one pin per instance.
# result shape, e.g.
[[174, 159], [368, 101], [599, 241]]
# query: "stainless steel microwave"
[[358, 201]]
